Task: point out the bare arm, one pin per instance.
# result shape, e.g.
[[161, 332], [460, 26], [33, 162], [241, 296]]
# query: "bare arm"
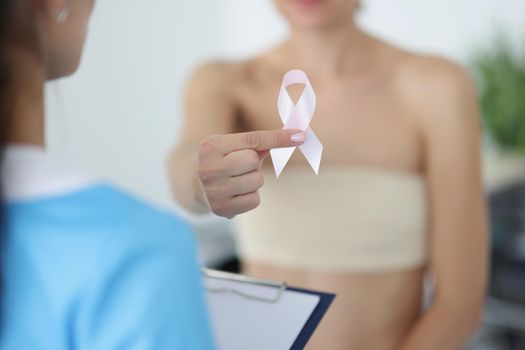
[[210, 168], [458, 245], [208, 109]]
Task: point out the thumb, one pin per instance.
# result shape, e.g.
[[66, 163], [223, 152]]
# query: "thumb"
[[263, 154]]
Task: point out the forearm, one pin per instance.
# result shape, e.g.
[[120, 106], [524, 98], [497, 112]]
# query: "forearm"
[[443, 327], [184, 180]]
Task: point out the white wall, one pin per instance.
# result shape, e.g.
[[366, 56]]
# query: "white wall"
[[446, 27], [120, 114]]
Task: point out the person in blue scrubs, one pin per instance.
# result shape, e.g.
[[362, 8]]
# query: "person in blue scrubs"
[[84, 265]]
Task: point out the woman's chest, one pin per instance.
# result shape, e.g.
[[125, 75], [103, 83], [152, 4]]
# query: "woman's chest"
[[356, 126]]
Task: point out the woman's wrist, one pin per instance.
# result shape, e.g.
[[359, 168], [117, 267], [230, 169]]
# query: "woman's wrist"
[[199, 196]]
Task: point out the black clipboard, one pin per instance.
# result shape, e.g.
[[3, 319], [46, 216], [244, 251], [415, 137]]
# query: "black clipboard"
[[325, 300], [312, 322]]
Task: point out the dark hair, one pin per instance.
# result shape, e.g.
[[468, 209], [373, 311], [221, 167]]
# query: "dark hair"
[[5, 12]]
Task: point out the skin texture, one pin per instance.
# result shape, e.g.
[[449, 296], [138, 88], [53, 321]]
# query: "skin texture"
[[378, 106]]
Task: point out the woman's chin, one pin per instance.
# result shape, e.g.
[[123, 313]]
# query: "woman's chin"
[[311, 21], [63, 70], [315, 16]]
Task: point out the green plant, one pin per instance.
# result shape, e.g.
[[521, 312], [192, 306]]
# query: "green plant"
[[500, 76]]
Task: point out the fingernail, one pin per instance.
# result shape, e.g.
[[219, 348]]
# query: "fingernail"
[[299, 137]]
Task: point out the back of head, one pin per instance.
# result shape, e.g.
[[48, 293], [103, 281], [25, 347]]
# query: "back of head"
[[39, 40]]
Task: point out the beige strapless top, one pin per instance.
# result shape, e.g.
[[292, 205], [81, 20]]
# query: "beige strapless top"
[[347, 219]]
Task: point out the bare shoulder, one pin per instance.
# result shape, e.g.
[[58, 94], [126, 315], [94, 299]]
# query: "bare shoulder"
[[433, 86], [213, 74], [433, 78], [227, 75]]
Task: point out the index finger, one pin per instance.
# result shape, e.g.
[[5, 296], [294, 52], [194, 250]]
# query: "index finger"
[[263, 140]]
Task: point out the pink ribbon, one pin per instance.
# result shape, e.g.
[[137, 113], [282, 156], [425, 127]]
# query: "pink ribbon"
[[297, 116]]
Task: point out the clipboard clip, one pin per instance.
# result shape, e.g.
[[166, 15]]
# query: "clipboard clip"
[[221, 275]]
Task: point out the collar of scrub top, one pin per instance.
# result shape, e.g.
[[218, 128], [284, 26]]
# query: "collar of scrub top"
[[31, 173]]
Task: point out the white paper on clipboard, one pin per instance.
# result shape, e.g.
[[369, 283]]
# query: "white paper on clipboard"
[[255, 316]]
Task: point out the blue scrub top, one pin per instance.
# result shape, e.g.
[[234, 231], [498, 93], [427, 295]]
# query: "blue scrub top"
[[95, 268]]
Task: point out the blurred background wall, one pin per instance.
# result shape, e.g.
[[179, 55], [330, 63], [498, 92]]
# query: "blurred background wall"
[[447, 27], [121, 113]]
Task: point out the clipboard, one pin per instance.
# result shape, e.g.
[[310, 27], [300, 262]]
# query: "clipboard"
[[252, 313]]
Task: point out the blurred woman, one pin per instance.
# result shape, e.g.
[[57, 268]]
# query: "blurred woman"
[[85, 266], [399, 191]]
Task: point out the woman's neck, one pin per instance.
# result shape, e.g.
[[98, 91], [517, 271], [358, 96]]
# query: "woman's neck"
[[329, 51], [27, 124]]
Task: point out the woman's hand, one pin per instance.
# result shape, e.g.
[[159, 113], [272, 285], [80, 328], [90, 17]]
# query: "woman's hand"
[[229, 167]]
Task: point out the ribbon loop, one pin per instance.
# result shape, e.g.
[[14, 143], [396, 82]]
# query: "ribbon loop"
[[297, 116]]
